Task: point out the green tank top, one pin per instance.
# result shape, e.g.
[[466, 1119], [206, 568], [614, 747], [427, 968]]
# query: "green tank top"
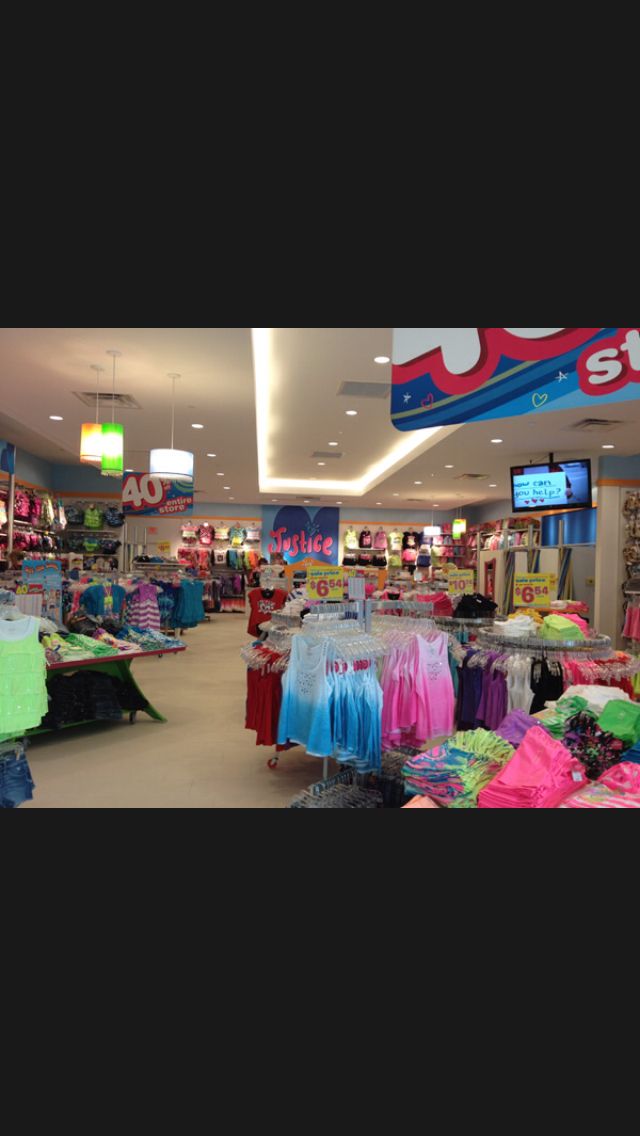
[[23, 677]]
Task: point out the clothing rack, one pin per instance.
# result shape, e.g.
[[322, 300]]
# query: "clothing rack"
[[598, 646]]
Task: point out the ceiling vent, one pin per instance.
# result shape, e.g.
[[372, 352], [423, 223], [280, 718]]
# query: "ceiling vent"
[[473, 477], [332, 455], [365, 390], [106, 401], [596, 425]]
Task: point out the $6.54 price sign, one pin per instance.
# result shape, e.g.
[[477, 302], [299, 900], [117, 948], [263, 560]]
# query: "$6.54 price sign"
[[325, 584], [532, 590]]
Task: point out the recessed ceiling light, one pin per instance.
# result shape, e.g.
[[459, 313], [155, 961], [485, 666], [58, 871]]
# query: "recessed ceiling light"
[[322, 463], [449, 467], [128, 471], [493, 487], [378, 502], [56, 418], [339, 502], [232, 498], [197, 426], [307, 502], [334, 443], [608, 447], [382, 359], [417, 483], [352, 413], [436, 506], [226, 488], [396, 495], [220, 475], [496, 441], [212, 455]]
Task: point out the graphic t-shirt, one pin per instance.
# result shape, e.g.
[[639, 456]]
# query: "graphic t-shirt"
[[395, 541], [351, 540], [262, 606]]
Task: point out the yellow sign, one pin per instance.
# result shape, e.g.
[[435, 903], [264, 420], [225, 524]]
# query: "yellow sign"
[[325, 584], [164, 548], [533, 590], [462, 582]]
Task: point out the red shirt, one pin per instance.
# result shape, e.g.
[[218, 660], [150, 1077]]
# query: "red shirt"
[[262, 607]]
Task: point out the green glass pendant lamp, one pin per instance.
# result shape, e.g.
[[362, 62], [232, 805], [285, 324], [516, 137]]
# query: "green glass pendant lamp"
[[113, 435]]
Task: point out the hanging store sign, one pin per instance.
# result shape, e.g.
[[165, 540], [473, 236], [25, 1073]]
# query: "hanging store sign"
[[533, 590], [146, 496], [446, 376], [7, 458], [296, 533]]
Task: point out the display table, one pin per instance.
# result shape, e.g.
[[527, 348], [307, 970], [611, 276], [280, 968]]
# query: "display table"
[[116, 666]]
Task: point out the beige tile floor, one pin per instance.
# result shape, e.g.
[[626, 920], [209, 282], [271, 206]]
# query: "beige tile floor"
[[203, 758]]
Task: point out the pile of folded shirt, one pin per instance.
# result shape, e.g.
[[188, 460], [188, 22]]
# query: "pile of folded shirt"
[[540, 775], [453, 774], [597, 750], [516, 726], [622, 719], [618, 788], [555, 719], [148, 640]]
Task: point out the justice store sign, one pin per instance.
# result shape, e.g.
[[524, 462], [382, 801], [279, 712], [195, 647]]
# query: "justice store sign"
[[298, 534], [446, 376]]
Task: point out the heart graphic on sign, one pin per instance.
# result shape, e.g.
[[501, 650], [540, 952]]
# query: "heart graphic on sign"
[[540, 400]]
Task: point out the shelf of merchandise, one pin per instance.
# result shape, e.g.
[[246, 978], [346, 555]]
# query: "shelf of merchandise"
[[116, 666]]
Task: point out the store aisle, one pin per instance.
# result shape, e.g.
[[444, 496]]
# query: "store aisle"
[[202, 758]]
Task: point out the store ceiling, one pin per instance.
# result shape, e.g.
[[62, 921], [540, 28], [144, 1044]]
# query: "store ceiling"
[[41, 368]]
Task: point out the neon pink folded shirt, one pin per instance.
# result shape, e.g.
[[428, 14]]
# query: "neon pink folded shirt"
[[540, 775], [619, 788], [584, 627]]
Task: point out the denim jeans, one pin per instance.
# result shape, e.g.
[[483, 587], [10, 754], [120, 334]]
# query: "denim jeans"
[[16, 782]]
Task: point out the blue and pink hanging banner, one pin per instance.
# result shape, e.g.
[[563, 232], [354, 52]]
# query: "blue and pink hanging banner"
[[297, 533], [7, 458], [446, 376]]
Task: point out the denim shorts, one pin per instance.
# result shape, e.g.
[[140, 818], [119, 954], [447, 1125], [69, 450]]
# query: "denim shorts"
[[16, 782]]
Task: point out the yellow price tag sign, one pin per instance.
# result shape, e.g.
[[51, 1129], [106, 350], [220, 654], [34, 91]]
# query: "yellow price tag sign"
[[462, 582], [532, 590], [325, 584]]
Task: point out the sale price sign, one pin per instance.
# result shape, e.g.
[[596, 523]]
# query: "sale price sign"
[[146, 496], [462, 582], [325, 584], [533, 590]]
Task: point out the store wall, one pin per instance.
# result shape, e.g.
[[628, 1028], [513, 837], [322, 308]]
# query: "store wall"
[[618, 476], [84, 479], [34, 470]]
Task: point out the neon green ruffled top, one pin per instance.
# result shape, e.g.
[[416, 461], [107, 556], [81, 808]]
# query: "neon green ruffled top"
[[23, 677]]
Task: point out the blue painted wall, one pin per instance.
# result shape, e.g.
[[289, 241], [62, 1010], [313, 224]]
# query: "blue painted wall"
[[33, 469], [580, 527], [623, 468]]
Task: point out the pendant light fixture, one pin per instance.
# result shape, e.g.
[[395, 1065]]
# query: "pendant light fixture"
[[113, 435], [173, 465], [91, 439], [433, 530]]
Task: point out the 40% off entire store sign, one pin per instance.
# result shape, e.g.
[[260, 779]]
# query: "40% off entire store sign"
[[446, 376], [145, 496]]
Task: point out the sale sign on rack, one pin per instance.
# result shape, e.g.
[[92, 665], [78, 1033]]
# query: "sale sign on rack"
[[325, 584], [445, 376], [145, 496], [462, 582], [533, 590]]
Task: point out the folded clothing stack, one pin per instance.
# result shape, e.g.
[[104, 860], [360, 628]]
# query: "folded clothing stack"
[[619, 788], [555, 720], [516, 726], [541, 775], [455, 773]]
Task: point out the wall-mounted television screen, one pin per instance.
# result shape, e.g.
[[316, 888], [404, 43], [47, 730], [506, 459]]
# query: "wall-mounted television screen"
[[563, 485]]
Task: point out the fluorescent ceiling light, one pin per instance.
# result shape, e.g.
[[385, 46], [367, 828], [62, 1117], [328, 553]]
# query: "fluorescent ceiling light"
[[334, 443], [449, 467], [417, 483], [496, 441], [266, 371], [351, 413], [382, 359], [197, 426], [608, 447], [57, 418], [212, 455]]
